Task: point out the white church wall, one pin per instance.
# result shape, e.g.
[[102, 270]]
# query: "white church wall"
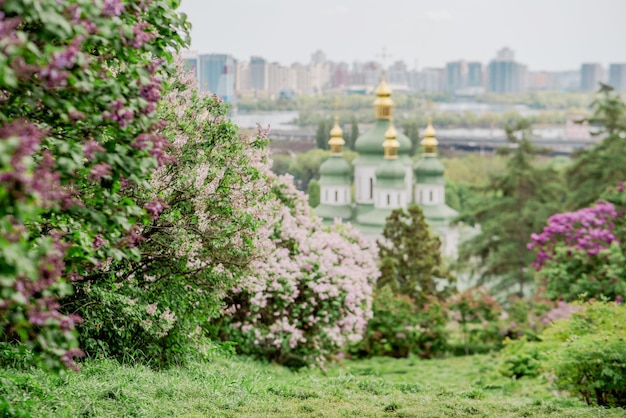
[[335, 195], [365, 183]]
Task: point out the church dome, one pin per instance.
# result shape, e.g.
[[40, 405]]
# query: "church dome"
[[335, 166], [428, 169], [371, 141]]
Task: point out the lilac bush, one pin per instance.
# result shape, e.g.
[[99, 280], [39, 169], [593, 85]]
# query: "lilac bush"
[[311, 292], [582, 253], [80, 82]]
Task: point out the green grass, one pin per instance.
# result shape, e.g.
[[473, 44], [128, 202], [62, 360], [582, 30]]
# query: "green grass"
[[235, 387]]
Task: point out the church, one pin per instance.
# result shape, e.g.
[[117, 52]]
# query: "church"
[[386, 178]]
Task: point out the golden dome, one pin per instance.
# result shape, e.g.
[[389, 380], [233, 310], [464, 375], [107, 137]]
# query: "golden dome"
[[391, 144], [383, 102], [429, 143], [336, 138]]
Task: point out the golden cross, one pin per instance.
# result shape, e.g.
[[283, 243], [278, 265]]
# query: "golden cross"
[[383, 56]]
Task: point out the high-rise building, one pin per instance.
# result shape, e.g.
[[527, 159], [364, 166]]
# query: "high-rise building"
[[430, 80], [474, 74], [505, 75], [617, 76], [258, 73], [398, 74], [217, 75], [590, 75], [456, 75]]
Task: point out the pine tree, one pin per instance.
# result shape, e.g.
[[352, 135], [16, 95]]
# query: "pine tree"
[[354, 133], [411, 262], [322, 135], [516, 204], [605, 164]]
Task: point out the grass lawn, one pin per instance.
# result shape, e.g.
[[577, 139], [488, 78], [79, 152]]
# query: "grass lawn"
[[236, 387]]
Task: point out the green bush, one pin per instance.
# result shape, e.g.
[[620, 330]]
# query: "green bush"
[[587, 353], [520, 358], [399, 328]]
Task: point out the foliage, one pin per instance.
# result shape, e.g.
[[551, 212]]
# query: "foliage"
[[520, 358], [410, 257], [212, 203], [603, 165], [354, 134], [322, 134], [398, 327], [579, 253], [476, 306], [587, 353], [311, 291], [313, 192], [80, 84], [515, 204], [305, 166], [411, 129]]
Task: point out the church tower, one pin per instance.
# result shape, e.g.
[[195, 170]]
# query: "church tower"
[[390, 189], [430, 193], [370, 156], [335, 181]]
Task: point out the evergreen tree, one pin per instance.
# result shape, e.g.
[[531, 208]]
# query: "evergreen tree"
[[605, 164], [411, 262], [314, 193], [515, 204], [411, 130], [322, 135], [354, 133]]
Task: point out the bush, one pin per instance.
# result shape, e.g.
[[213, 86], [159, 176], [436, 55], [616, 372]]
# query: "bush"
[[587, 353], [398, 328], [477, 312], [310, 294], [80, 82], [520, 358]]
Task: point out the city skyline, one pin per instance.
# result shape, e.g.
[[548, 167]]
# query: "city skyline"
[[547, 35]]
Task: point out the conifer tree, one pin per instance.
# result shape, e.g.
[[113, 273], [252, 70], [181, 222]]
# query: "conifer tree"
[[605, 164], [322, 134], [515, 204], [354, 133], [411, 262]]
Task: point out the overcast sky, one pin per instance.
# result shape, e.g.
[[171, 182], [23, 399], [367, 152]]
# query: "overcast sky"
[[545, 34]]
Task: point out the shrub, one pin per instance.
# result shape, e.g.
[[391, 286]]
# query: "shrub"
[[80, 82], [477, 307], [520, 358], [212, 202], [310, 294], [586, 354], [581, 253], [398, 327]]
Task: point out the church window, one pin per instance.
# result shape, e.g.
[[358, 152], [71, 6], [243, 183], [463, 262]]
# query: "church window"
[[371, 188], [336, 196], [398, 199], [325, 196], [421, 196], [388, 199], [431, 196]]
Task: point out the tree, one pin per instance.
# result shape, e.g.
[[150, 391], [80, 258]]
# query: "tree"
[[605, 164], [212, 204], [322, 135], [354, 133], [314, 193], [410, 257], [515, 204], [411, 130], [80, 85]]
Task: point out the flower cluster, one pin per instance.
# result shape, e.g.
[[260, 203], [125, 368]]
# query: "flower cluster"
[[311, 293], [589, 230], [581, 254]]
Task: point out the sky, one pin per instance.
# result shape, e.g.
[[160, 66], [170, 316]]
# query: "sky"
[[545, 34]]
